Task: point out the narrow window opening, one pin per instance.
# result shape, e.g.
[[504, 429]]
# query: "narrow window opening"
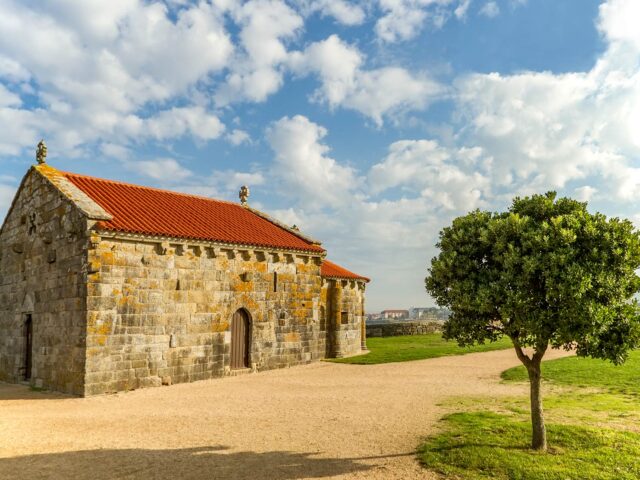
[[345, 317], [28, 347], [275, 281]]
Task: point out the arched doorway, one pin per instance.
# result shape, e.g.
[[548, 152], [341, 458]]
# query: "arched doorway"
[[240, 338]]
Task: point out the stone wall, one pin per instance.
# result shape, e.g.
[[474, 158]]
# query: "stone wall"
[[402, 328], [161, 312], [42, 274], [345, 310]]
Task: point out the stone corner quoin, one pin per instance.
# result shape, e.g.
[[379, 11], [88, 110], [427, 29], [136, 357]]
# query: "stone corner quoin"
[[87, 310]]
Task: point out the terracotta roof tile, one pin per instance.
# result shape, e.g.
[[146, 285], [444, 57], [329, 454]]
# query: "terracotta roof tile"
[[331, 270], [150, 211]]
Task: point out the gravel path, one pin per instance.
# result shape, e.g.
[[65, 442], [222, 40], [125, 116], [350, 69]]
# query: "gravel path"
[[317, 421]]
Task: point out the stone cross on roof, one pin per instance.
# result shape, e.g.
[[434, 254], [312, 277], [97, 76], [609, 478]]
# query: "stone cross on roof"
[[244, 194], [41, 152]]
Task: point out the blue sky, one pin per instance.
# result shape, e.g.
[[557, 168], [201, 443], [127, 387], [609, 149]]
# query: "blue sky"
[[370, 124]]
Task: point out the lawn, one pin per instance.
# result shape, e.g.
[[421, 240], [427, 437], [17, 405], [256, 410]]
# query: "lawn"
[[485, 445], [416, 347], [593, 432], [588, 372]]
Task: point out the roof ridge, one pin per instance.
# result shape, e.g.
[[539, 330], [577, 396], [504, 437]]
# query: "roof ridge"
[[146, 187]]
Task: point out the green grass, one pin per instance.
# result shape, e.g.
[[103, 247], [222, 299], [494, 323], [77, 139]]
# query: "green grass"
[[587, 372], [486, 445], [567, 406], [416, 347], [592, 416]]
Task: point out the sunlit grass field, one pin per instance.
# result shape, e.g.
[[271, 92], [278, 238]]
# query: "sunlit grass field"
[[588, 372], [592, 410], [415, 347]]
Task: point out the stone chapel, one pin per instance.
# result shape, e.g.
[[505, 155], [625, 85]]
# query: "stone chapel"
[[107, 286]]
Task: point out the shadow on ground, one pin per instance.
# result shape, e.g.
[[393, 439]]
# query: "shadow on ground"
[[189, 463], [14, 391]]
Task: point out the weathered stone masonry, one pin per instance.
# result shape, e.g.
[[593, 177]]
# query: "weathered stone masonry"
[[345, 308], [113, 311], [43, 251], [159, 312]]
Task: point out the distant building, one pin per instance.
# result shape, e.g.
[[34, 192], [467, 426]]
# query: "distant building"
[[395, 314], [417, 312], [429, 313]]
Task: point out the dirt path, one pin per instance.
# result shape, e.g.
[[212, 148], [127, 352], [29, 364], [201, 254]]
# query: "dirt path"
[[318, 421]]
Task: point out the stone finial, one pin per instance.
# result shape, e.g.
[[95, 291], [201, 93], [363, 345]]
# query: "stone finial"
[[41, 152], [244, 194]]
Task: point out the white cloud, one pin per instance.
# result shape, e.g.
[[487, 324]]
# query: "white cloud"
[[392, 90], [336, 63], [165, 170], [624, 181], [238, 137], [12, 70], [461, 10], [6, 197], [288, 216], [550, 131], [546, 130], [304, 166], [619, 21], [97, 67], [177, 122], [220, 183], [490, 10], [585, 193], [531, 123], [257, 71], [384, 238], [343, 12], [234, 180], [114, 150], [516, 134], [20, 128], [346, 13], [110, 72], [375, 93], [404, 19], [8, 99], [448, 178]]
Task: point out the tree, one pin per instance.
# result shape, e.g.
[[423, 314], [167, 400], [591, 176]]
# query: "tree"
[[545, 273]]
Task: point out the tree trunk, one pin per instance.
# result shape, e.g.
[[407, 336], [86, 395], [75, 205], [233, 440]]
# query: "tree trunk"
[[539, 438]]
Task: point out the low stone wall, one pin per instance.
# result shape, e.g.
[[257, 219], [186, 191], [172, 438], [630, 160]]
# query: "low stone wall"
[[402, 328]]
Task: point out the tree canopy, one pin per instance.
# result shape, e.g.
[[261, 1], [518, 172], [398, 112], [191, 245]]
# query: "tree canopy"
[[547, 272]]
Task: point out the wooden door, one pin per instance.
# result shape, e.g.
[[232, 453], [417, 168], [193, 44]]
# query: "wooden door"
[[28, 355], [240, 340]]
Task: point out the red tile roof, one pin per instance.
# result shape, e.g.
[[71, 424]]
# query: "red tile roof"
[[331, 270], [150, 211]]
